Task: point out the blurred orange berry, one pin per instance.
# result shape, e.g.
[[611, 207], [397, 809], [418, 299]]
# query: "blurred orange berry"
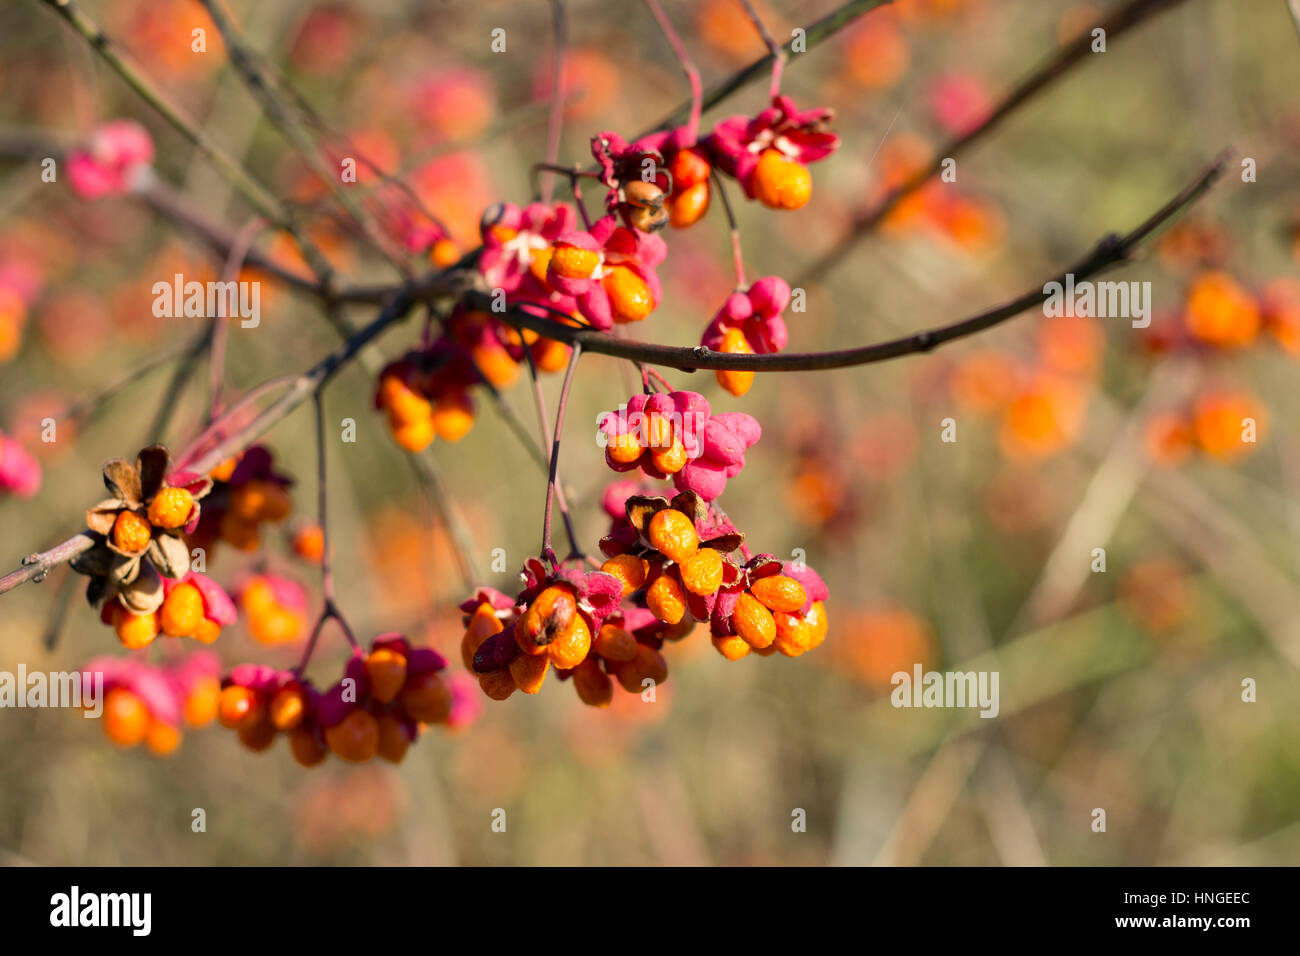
[[884, 641], [1155, 594], [876, 52], [1227, 425], [134, 630], [237, 706], [201, 702], [355, 738], [126, 719], [1220, 312], [1044, 417], [1280, 309], [984, 381], [426, 697], [309, 542], [162, 738], [386, 669], [1071, 344]]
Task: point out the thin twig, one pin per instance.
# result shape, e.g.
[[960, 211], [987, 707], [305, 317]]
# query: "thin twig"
[[555, 124], [778, 54], [737, 256], [815, 33], [539, 400], [688, 67], [548, 552]]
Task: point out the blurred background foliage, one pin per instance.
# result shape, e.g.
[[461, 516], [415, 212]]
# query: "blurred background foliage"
[[1119, 690]]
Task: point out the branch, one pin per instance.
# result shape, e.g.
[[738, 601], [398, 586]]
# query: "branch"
[[823, 29], [36, 566], [285, 119], [256, 194], [1116, 25], [1111, 250]]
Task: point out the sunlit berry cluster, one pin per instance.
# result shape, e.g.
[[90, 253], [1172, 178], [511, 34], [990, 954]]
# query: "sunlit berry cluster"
[[538, 259], [569, 621], [668, 568], [749, 322], [139, 563], [686, 574], [675, 435]]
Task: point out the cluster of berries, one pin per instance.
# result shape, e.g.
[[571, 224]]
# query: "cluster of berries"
[[539, 259], [378, 708], [676, 555], [139, 563], [568, 619], [143, 703], [664, 177], [668, 568], [194, 606], [247, 492], [1221, 313], [749, 322], [425, 395], [1223, 423], [675, 435]]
